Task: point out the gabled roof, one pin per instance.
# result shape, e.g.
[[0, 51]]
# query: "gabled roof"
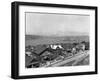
[[39, 49]]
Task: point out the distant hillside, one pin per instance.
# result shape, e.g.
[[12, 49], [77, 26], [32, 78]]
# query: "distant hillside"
[[30, 37], [36, 40]]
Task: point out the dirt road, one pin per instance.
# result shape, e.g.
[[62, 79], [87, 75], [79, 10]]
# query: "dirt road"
[[79, 56]]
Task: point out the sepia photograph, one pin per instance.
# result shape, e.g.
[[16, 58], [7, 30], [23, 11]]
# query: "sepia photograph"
[[56, 40]]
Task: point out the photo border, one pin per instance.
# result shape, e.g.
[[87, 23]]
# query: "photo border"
[[15, 39]]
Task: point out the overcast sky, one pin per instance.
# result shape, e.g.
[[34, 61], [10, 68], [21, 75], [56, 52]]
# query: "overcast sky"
[[57, 24]]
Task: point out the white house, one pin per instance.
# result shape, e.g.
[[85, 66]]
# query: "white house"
[[56, 46]]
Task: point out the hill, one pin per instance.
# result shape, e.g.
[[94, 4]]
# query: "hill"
[[36, 40]]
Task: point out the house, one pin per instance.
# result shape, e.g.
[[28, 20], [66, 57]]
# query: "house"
[[55, 46], [80, 47], [28, 53], [39, 49]]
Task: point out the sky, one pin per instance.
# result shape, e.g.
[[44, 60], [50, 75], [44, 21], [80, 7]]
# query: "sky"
[[57, 24]]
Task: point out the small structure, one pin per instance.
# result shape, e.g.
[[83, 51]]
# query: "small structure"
[[80, 47], [74, 50], [56, 46], [28, 53]]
